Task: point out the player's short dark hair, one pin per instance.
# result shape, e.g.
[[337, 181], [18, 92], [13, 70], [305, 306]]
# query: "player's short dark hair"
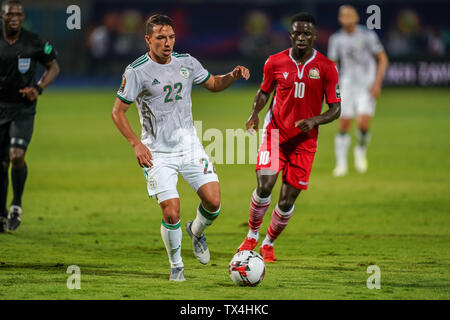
[[304, 17], [157, 20], [10, 2]]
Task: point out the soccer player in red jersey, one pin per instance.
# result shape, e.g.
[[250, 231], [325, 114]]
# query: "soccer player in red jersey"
[[301, 77]]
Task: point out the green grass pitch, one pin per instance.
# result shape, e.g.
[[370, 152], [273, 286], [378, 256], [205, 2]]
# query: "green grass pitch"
[[85, 204]]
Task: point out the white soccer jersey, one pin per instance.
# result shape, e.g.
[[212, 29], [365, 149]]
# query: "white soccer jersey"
[[163, 97], [356, 55]]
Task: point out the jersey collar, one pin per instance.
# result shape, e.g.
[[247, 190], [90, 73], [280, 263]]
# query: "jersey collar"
[[300, 72]]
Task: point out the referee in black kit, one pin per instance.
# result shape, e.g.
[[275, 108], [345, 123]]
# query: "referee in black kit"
[[20, 50]]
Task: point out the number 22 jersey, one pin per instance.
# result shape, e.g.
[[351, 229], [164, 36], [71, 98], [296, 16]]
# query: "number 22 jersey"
[[163, 97], [300, 91]]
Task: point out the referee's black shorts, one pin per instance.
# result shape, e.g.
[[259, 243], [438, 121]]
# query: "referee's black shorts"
[[16, 126]]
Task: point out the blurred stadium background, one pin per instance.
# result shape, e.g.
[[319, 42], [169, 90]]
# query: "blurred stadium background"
[[416, 34]]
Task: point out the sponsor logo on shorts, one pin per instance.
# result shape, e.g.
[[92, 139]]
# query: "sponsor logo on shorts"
[[314, 73], [303, 183], [285, 75]]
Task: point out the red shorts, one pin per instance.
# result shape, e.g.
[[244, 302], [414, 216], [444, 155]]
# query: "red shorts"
[[296, 165]]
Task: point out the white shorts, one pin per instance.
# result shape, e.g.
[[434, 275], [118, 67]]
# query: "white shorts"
[[162, 177], [356, 100]]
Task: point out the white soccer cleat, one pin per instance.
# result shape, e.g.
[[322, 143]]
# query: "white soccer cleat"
[[360, 159], [14, 217], [340, 171], [199, 245], [177, 274]]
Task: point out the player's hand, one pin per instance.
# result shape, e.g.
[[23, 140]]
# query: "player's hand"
[[305, 125], [143, 156], [375, 90], [240, 72], [30, 92], [252, 123]]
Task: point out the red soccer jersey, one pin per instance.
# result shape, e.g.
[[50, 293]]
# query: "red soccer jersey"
[[300, 90]]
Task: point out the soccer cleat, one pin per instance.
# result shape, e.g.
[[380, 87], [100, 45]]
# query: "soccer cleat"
[[340, 171], [14, 217], [3, 226], [360, 159], [267, 253], [199, 245], [247, 244], [177, 274]]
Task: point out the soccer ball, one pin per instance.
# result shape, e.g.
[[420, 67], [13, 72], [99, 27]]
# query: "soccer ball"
[[247, 268]]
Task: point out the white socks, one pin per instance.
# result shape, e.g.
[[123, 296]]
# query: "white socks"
[[171, 235], [341, 145], [203, 220]]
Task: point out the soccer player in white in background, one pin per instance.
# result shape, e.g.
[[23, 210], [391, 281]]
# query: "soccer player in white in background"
[[160, 82], [362, 64]]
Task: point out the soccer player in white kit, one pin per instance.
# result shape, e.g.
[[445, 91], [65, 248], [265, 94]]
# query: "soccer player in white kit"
[[160, 82], [362, 65]]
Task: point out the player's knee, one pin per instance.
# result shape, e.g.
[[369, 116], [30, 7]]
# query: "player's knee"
[[344, 125], [18, 161], [212, 204], [171, 216], [17, 157], [170, 211], [264, 190], [285, 205]]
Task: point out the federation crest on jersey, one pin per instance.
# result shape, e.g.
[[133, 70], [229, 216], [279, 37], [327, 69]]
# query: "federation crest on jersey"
[[314, 73], [122, 85], [184, 72], [24, 65]]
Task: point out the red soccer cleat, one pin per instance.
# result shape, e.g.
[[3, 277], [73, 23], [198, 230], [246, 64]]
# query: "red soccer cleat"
[[247, 244], [267, 253]]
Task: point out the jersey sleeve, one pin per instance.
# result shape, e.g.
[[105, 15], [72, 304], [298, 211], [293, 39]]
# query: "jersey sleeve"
[[45, 52], [333, 49], [332, 92], [374, 42], [201, 75], [130, 86], [268, 83]]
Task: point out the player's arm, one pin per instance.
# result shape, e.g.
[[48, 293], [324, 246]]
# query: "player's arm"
[[220, 83], [260, 101], [50, 74], [143, 155], [333, 112], [382, 63], [333, 99]]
